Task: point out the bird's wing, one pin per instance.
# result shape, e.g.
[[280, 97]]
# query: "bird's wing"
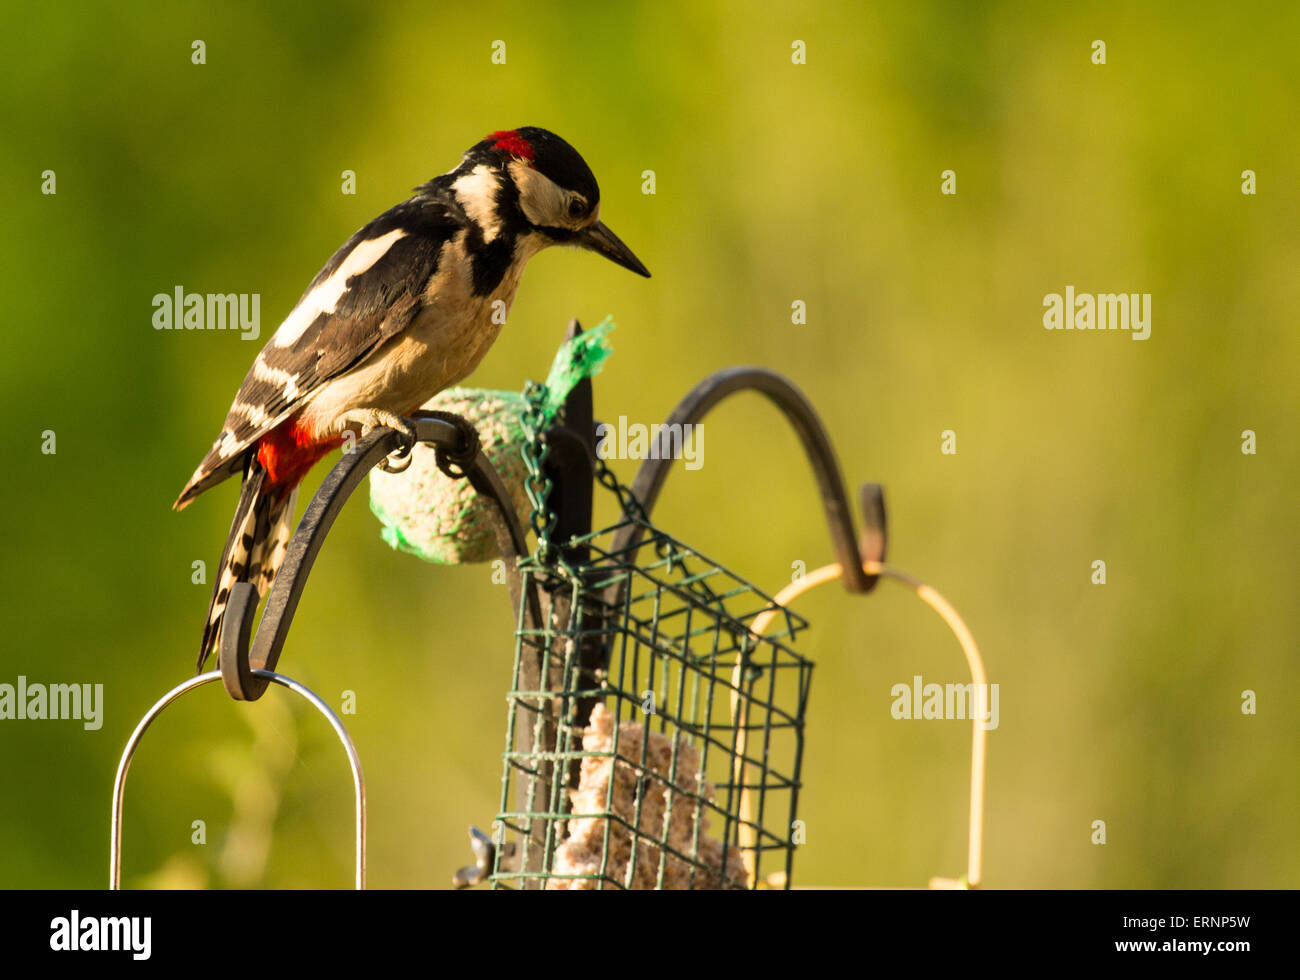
[[369, 291]]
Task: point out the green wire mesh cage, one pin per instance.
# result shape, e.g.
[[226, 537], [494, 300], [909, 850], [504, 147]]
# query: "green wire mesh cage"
[[654, 739]]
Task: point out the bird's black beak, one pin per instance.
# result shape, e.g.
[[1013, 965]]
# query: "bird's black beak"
[[600, 239]]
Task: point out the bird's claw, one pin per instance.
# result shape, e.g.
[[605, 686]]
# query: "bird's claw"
[[400, 458], [397, 461], [370, 419]]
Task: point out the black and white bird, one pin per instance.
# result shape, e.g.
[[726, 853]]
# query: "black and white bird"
[[403, 310]]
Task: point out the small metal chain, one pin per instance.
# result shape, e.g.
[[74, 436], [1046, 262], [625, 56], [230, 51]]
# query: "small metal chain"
[[537, 485], [664, 546], [627, 502]]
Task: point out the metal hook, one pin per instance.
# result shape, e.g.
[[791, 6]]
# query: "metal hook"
[[241, 653], [119, 782], [799, 412]]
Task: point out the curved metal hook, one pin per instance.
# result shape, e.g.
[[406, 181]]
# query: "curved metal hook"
[[239, 664], [265, 676], [808, 427]]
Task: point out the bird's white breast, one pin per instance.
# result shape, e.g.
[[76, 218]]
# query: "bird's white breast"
[[440, 347]]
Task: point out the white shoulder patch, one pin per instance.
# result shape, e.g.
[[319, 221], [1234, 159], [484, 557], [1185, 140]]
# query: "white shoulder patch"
[[477, 194], [324, 298]]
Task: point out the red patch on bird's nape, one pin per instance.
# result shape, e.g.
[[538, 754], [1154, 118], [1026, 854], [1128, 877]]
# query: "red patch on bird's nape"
[[288, 451], [509, 141]]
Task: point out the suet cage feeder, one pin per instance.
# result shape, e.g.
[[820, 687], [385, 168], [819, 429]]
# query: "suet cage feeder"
[[657, 705]]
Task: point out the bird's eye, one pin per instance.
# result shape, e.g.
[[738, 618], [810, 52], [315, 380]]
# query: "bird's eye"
[[577, 208]]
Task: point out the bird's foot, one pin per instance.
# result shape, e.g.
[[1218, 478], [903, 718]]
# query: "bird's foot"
[[373, 418]]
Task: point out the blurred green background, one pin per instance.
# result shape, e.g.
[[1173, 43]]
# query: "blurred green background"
[[775, 182]]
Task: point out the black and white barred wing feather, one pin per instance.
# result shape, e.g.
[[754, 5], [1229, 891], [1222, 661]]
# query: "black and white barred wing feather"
[[367, 293]]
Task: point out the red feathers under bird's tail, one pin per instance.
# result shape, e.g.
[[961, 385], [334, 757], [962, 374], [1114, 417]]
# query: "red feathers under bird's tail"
[[263, 524]]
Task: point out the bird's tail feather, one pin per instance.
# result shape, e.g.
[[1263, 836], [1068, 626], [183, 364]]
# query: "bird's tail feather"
[[259, 537]]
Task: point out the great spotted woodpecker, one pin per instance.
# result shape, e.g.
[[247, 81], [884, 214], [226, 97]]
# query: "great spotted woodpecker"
[[403, 310]]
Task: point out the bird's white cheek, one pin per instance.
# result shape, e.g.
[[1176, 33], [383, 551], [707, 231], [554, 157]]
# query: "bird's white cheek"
[[541, 200]]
